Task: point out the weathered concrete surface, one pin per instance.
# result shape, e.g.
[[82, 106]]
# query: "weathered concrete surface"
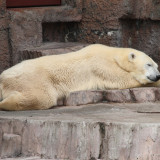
[[53, 48], [11, 145], [102, 131], [4, 49], [143, 35], [29, 158], [4, 41], [134, 95], [125, 23], [26, 24]]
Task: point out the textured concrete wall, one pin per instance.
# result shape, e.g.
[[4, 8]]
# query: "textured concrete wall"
[[89, 132], [4, 45], [124, 23], [27, 25], [100, 23]]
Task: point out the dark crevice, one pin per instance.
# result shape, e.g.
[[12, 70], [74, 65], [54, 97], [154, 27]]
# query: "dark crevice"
[[102, 136], [60, 32], [133, 98]]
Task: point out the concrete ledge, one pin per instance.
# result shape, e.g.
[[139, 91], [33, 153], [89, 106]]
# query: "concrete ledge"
[[90, 132], [134, 95], [46, 14], [27, 158], [52, 48]]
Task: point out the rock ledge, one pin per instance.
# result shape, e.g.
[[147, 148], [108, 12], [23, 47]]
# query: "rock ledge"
[[134, 95]]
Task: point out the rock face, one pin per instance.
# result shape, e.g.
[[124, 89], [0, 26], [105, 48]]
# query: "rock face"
[[92, 132], [4, 41], [30, 24], [135, 95], [11, 145], [123, 23], [84, 97], [49, 49]]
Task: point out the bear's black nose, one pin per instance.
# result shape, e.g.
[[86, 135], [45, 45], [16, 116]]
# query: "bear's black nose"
[[158, 77]]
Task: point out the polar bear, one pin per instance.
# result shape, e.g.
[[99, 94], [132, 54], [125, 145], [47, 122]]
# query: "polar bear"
[[40, 82]]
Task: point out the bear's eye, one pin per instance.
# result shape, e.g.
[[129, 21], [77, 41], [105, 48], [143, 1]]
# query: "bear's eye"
[[149, 65]]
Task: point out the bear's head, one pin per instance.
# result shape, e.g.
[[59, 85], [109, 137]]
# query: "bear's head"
[[139, 65]]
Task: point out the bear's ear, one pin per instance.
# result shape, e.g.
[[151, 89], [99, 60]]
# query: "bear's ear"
[[131, 57]]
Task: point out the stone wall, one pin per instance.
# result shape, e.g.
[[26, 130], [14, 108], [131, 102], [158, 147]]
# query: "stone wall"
[[4, 41], [27, 25], [89, 132], [123, 23], [100, 22]]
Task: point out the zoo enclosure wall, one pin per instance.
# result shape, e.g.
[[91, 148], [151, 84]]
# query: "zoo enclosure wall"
[[123, 23]]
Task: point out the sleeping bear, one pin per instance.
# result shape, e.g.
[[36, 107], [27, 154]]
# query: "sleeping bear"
[[39, 83]]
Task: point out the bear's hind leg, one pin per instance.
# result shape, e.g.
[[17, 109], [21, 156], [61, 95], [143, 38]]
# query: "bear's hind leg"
[[16, 102]]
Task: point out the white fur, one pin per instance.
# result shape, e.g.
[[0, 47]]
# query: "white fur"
[[39, 83]]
